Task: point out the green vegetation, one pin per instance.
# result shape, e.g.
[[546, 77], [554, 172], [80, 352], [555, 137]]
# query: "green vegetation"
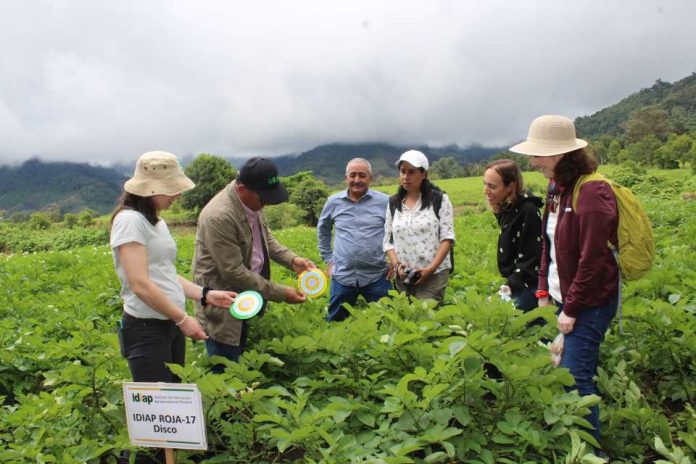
[[660, 109], [68, 188], [211, 174], [654, 127], [64, 187], [398, 383], [307, 193], [18, 238], [446, 168], [467, 192], [328, 162]]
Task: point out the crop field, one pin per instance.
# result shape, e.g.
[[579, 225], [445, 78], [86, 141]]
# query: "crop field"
[[398, 382]]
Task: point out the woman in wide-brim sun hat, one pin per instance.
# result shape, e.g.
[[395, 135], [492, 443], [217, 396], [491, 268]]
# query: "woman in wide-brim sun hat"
[[578, 270], [154, 323]]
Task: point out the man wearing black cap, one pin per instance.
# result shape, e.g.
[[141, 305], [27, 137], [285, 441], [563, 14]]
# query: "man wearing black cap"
[[233, 250]]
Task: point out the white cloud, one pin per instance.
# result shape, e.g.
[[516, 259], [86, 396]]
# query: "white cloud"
[[97, 80]]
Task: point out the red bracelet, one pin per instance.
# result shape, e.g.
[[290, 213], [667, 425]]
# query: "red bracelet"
[[541, 294]]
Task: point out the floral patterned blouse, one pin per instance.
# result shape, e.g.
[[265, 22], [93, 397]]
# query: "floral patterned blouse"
[[416, 234]]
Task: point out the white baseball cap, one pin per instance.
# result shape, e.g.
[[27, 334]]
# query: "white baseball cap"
[[415, 159]]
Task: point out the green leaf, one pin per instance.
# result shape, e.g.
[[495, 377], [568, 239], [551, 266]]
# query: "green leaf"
[[461, 413], [551, 417], [688, 438], [438, 456], [341, 415], [456, 346], [502, 439], [472, 365], [398, 460], [487, 456], [592, 459], [268, 418], [585, 435], [506, 428], [449, 447], [403, 338], [407, 446], [366, 418]]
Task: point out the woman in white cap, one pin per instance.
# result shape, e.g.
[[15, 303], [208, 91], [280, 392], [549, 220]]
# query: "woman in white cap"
[[154, 322], [419, 231], [578, 270], [519, 242]]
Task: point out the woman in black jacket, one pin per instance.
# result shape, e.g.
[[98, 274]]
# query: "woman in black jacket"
[[520, 240]]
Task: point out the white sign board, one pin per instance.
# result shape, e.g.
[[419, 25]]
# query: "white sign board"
[[165, 415]]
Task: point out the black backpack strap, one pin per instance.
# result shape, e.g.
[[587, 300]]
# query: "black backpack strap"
[[437, 204], [392, 207], [437, 201], [392, 204]]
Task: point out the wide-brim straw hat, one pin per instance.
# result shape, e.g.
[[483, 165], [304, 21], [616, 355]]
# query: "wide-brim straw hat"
[[158, 173], [550, 135]]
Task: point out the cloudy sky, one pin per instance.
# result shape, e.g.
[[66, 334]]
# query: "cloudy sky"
[[102, 81]]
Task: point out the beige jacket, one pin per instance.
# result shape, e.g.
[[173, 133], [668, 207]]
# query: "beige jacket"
[[222, 261]]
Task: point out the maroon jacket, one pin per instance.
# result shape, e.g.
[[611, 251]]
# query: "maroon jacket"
[[586, 267]]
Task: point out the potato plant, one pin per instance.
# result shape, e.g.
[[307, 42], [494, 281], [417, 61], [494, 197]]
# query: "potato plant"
[[398, 382]]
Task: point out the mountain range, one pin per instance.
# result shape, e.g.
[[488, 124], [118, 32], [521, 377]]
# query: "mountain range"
[[676, 101], [328, 162], [71, 187]]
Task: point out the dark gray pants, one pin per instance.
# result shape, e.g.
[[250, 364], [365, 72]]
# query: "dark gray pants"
[[148, 344], [432, 289]]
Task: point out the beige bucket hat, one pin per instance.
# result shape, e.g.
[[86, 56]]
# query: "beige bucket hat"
[[550, 135], [158, 173]]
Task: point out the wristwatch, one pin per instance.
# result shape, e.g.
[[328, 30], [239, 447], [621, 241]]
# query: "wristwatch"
[[204, 296]]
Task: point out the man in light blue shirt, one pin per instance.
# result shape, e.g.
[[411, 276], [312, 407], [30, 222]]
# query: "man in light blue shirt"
[[356, 264]]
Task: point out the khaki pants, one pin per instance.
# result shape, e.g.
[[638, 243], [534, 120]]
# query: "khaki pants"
[[432, 289]]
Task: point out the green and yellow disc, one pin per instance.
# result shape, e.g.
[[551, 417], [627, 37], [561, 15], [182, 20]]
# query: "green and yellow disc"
[[312, 283], [246, 305]]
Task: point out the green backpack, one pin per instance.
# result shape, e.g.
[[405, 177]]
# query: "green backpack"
[[636, 245]]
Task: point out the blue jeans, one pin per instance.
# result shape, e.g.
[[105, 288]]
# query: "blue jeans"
[[581, 352], [345, 294], [231, 352], [525, 299]]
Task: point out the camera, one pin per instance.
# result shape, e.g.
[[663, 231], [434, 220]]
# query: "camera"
[[412, 276]]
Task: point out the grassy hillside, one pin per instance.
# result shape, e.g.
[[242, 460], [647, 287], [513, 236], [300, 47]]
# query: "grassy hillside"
[[328, 162], [676, 100], [70, 187], [468, 191]]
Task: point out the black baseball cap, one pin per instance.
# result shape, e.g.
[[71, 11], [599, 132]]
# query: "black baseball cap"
[[260, 175]]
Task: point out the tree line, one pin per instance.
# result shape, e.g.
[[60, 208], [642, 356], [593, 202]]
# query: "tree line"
[[649, 140]]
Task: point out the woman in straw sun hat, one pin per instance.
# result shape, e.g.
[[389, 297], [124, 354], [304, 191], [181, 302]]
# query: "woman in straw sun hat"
[[578, 271], [154, 322]]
